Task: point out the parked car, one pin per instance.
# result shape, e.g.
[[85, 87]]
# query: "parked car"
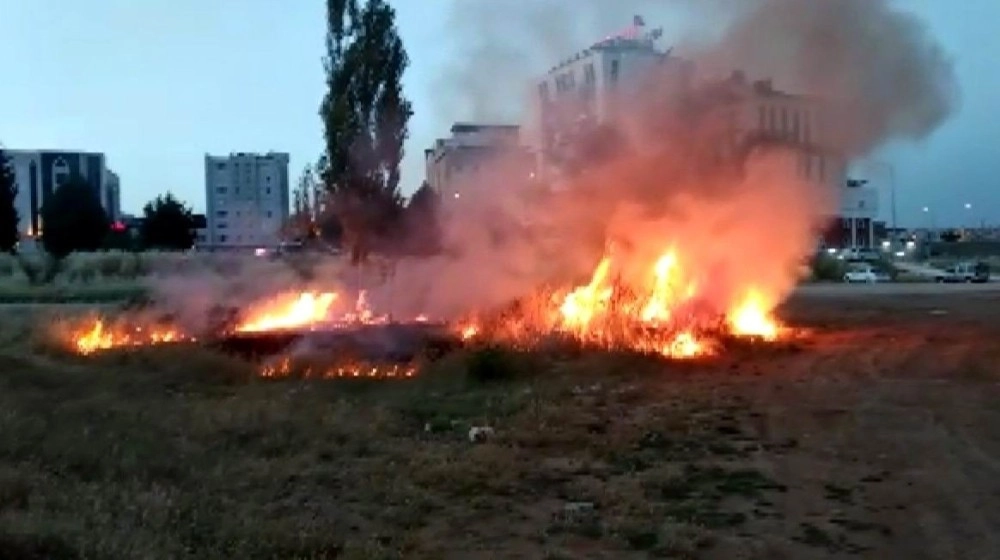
[[965, 272], [865, 273]]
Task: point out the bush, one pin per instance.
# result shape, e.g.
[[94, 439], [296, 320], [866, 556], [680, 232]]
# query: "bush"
[[828, 268], [490, 363]]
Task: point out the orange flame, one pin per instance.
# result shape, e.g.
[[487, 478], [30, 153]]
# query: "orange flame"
[[286, 367], [607, 313], [583, 304], [752, 318], [99, 336], [289, 311]]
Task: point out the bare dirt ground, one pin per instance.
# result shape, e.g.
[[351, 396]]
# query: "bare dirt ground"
[[876, 435]]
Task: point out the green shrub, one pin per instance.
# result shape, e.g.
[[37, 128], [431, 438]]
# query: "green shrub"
[[828, 268], [490, 363]]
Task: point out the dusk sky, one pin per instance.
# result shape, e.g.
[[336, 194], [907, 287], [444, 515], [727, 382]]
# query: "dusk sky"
[[156, 84]]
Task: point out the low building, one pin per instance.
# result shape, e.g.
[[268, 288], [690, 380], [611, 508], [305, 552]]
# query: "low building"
[[247, 200], [453, 163], [39, 173]]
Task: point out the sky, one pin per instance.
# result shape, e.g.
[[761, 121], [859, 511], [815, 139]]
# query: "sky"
[[157, 84]]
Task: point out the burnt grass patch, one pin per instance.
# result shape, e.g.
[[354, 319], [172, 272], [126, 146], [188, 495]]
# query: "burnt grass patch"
[[183, 451]]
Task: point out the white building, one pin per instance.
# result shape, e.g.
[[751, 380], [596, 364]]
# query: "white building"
[[590, 87], [247, 199], [38, 173]]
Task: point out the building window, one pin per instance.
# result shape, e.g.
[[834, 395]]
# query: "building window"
[[221, 190], [784, 121], [795, 126], [543, 91], [614, 71], [762, 117], [772, 120], [220, 166], [589, 75], [221, 225], [222, 239], [268, 213], [222, 213], [267, 179], [268, 190]]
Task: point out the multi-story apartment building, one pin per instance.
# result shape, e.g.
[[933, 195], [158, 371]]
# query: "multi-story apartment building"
[[39, 173], [247, 199], [595, 85]]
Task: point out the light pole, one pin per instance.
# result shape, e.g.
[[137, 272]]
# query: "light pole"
[[891, 172]]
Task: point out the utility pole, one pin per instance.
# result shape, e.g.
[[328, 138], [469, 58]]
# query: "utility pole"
[[890, 172]]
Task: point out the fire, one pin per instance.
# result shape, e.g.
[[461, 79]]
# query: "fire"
[[469, 331], [285, 367], [583, 304], [752, 318], [99, 336], [684, 345], [662, 314], [289, 311]]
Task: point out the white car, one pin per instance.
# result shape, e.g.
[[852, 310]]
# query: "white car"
[[864, 274]]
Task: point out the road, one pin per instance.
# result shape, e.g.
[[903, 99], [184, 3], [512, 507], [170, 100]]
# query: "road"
[[894, 288]]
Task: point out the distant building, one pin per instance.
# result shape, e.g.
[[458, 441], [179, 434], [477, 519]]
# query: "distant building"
[[247, 199], [451, 164], [112, 196], [40, 172]]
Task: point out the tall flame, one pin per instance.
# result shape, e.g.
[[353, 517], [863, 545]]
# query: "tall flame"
[[582, 304]]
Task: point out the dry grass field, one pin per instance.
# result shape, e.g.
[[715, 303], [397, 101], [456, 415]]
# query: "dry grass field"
[[876, 436]]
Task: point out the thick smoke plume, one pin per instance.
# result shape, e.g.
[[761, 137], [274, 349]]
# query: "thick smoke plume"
[[655, 182], [653, 179]]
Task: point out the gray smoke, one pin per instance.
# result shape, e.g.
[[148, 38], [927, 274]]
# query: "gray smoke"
[[875, 67], [874, 64], [890, 77], [878, 64]]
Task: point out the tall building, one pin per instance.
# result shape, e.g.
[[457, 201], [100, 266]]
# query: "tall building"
[[247, 199], [592, 86], [40, 172], [452, 163]]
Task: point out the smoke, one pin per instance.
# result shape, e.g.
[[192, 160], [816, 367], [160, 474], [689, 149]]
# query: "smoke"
[[659, 174], [654, 178], [885, 75]]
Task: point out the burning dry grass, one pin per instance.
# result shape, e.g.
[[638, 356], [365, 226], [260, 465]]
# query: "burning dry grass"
[[174, 451]]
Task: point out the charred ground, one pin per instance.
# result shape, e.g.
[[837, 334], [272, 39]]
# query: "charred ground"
[[875, 437]]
